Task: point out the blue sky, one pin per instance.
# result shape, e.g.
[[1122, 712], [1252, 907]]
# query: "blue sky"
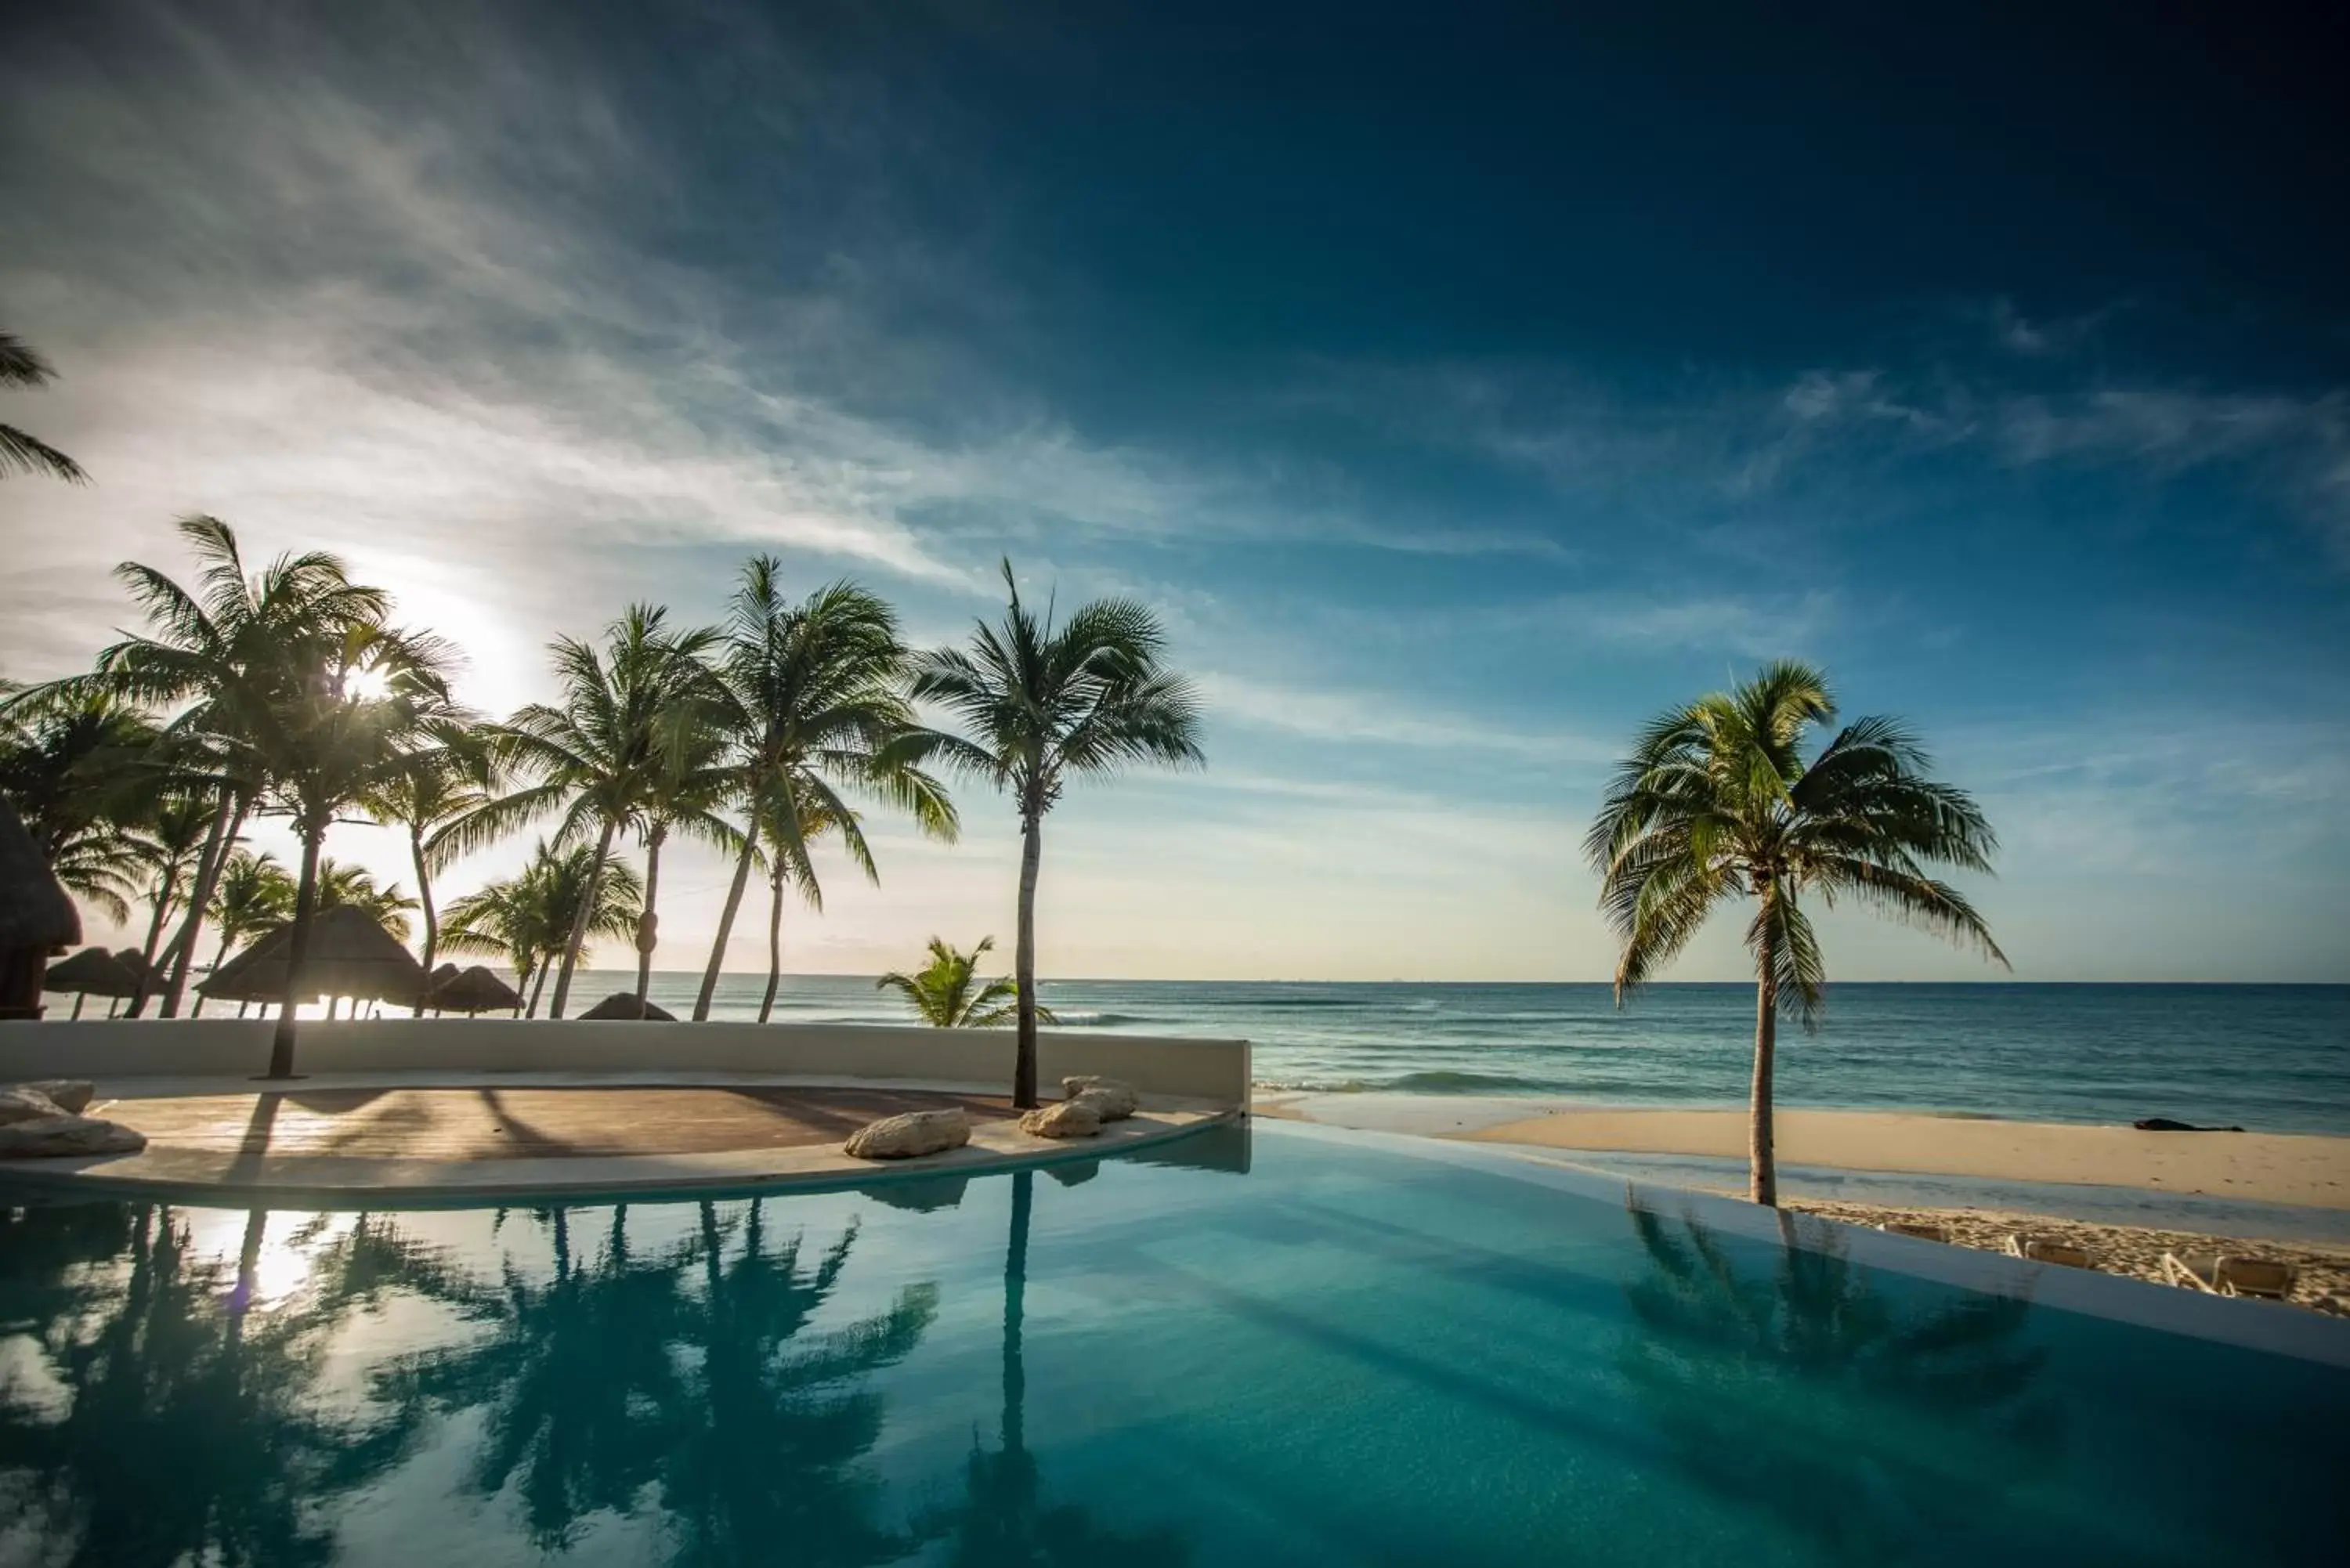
[[1464, 386]]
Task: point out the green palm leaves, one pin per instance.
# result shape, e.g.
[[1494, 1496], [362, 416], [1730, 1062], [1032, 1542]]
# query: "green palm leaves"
[[22, 366], [947, 993], [1717, 801], [527, 919], [1039, 702]]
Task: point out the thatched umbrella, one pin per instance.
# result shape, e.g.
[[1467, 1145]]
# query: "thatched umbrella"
[[350, 955], [36, 918], [476, 990], [93, 971], [628, 1005]]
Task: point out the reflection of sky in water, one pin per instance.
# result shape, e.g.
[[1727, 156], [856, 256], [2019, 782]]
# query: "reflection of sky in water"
[[1293, 1349]]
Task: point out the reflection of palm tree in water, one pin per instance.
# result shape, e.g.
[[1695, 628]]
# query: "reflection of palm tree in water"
[[190, 1431], [1003, 1523], [1804, 1393]]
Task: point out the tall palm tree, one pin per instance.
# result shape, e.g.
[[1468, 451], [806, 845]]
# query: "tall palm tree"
[[599, 756], [79, 764], [21, 366], [1716, 802], [813, 695], [1044, 702], [326, 746], [254, 894], [790, 865], [221, 656], [526, 918], [947, 993], [433, 791], [689, 783]]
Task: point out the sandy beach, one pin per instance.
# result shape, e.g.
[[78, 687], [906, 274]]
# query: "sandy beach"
[[2266, 1168]]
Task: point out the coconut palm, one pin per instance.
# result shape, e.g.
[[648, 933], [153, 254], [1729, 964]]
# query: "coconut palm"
[[526, 918], [689, 783], [21, 366], [221, 656], [812, 694], [1043, 703], [428, 796], [78, 763], [947, 993], [791, 864], [254, 894], [600, 756], [169, 840], [344, 887], [1716, 802]]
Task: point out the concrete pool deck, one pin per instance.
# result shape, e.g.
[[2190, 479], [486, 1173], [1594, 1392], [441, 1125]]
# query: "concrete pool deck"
[[455, 1135]]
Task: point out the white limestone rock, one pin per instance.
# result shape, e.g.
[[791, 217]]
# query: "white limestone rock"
[[1111, 1100], [1070, 1119], [909, 1136], [71, 1096], [23, 1102], [50, 1137]]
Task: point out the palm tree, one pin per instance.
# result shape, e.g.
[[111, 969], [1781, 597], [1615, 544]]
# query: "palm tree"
[[328, 744], [812, 694], [168, 841], [526, 918], [1716, 802], [600, 757], [789, 863], [78, 763], [253, 895], [688, 786], [21, 366], [224, 654], [429, 794], [947, 994], [342, 886], [1043, 703]]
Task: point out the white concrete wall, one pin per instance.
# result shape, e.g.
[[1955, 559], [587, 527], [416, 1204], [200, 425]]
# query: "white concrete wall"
[[1215, 1070]]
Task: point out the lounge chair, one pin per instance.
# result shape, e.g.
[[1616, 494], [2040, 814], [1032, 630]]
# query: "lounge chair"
[[2042, 1250], [1911, 1228], [2225, 1274]]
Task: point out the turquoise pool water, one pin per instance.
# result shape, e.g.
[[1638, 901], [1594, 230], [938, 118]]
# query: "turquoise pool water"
[[1286, 1347]]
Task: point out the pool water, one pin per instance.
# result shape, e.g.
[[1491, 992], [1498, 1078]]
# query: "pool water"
[[1278, 1346]]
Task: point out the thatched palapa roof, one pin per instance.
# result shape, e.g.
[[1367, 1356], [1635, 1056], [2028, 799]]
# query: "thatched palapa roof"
[[93, 971], [35, 911], [350, 955], [476, 990]]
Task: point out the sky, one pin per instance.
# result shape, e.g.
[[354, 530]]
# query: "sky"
[[1462, 385]]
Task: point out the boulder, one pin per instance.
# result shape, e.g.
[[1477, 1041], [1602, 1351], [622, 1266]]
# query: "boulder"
[[69, 1095], [50, 1137], [23, 1102], [910, 1136], [1112, 1100], [1070, 1119]]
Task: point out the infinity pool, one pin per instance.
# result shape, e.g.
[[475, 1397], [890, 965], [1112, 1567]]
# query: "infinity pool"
[[1293, 1347]]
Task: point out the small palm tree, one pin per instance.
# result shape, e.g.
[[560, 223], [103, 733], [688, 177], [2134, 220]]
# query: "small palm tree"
[[790, 830], [169, 840], [600, 756], [1044, 702], [1716, 802], [947, 993], [79, 764], [254, 894], [688, 786], [433, 790], [21, 366], [342, 886], [527, 919], [812, 697]]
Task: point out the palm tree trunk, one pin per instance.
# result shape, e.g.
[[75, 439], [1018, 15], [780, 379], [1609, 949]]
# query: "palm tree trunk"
[[1024, 963], [579, 922], [649, 924], [79, 997], [424, 903], [774, 942], [1016, 1291], [726, 925], [226, 821], [147, 952], [538, 986], [306, 902], [1761, 1168], [218, 953]]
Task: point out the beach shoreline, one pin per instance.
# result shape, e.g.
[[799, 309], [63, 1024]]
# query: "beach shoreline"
[[2297, 1170]]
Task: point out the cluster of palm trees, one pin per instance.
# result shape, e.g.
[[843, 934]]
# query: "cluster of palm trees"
[[290, 690]]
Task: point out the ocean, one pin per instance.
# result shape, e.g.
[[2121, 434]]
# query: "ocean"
[[2273, 1058]]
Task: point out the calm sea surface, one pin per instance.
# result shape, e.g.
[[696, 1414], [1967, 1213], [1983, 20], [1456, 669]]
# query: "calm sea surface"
[[2270, 1057]]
